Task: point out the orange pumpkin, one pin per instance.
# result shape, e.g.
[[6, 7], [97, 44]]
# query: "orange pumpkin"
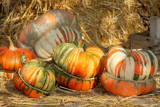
[[35, 79], [73, 82], [126, 88], [13, 58]]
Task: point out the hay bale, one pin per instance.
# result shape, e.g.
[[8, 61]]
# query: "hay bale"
[[104, 23]]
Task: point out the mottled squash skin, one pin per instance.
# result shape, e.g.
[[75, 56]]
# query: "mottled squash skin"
[[48, 31], [126, 88]]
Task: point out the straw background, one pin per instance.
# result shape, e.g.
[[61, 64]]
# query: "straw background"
[[103, 22]]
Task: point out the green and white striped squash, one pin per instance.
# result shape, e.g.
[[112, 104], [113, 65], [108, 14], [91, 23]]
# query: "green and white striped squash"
[[131, 64]]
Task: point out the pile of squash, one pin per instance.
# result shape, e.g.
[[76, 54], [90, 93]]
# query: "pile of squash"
[[56, 37]]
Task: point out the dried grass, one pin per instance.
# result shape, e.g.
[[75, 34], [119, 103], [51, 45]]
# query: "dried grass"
[[103, 22]]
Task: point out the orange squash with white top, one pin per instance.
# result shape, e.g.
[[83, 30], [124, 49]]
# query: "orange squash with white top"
[[129, 72]]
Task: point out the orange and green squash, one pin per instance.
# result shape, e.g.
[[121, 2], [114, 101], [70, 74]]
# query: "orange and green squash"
[[129, 72], [126, 88], [79, 59], [35, 79], [80, 65], [12, 58], [72, 82]]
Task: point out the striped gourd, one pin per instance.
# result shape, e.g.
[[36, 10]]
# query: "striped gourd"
[[79, 59], [35, 79], [49, 30], [72, 82], [131, 64]]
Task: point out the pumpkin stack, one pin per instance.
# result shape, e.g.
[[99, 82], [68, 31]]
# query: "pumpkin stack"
[[129, 72], [77, 65], [37, 78], [12, 59]]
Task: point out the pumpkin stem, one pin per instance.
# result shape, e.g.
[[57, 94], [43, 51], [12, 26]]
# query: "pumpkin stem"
[[11, 45]]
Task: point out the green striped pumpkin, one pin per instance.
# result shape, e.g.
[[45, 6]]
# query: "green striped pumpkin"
[[35, 79], [79, 59], [131, 64]]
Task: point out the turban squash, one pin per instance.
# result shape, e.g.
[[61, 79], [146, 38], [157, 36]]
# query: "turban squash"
[[79, 63], [129, 70], [49, 30], [35, 79], [12, 58]]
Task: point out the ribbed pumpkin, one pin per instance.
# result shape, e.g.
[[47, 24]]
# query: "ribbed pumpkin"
[[126, 88], [129, 72], [73, 82], [35, 79], [79, 59], [78, 65], [131, 64], [49, 30], [12, 58]]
